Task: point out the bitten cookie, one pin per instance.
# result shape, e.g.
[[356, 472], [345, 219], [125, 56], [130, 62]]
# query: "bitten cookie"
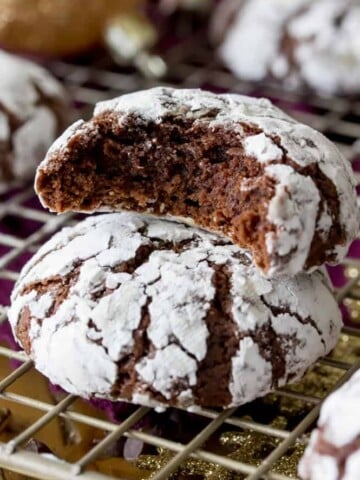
[[129, 307], [33, 111], [232, 164], [334, 449], [309, 42]]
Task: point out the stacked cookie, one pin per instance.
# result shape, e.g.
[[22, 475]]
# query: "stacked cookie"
[[204, 288]]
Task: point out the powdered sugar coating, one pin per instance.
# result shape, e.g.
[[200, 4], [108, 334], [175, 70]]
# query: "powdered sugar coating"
[[263, 148], [287, 247], [84, 312], [293, 209], [29, 122], [324, 36], [334, 448]]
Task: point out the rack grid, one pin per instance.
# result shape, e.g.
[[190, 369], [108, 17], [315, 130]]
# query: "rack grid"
[[338, 118]]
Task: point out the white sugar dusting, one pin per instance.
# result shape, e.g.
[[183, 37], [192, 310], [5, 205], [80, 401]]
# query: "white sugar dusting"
[[200, 105], [293, 211], [251, 374], [352, 469], [173, 312], [248, 311], [78, 345], [166, 368], [262, 148]]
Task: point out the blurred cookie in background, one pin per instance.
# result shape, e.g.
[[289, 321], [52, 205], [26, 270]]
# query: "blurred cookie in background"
[[34, 109], [299, 43], [334, 448]]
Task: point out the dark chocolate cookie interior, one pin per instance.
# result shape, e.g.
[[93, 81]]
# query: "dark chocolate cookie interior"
[[179, 167]]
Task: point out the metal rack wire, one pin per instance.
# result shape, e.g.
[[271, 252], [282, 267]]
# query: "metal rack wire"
[[188, 67]]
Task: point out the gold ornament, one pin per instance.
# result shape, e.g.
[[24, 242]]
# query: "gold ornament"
[[49, 27]]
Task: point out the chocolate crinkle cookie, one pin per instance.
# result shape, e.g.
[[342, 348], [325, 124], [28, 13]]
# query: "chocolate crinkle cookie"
[[299, 42], [231, 164], [131, 307], [334, 449], [33, 111]]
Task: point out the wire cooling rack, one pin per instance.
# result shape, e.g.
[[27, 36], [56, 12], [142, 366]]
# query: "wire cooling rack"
[[339, 119]]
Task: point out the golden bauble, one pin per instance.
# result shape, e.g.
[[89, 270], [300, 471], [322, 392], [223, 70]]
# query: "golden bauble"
[[57, 28]]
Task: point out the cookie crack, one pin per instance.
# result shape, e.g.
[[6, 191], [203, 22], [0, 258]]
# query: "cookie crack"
[[280, 310], [222, 343]]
